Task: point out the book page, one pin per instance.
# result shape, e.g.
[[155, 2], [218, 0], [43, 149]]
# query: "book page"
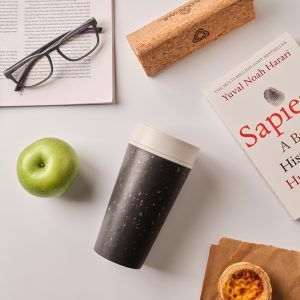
[[26, 25]]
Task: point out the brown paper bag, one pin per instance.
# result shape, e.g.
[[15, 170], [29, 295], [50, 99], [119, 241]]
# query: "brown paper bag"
[[283, 267]]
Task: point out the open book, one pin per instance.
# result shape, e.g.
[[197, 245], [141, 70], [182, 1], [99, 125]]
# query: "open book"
[[26, 25], [259, 102]]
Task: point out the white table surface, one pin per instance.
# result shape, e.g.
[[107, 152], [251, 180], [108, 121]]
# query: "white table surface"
[[46, 245]]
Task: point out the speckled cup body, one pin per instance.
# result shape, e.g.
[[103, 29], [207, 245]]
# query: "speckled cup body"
[[143, 196]]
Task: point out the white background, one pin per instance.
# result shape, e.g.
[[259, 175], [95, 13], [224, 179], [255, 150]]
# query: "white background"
[[46, 245]]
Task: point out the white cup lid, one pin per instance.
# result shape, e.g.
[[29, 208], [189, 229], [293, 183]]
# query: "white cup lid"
[[164, 145]]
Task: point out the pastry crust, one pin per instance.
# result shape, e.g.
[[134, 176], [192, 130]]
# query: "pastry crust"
[[244, 281]]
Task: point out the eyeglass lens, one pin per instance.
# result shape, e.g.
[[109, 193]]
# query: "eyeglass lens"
[[80, 44], [33, 72]]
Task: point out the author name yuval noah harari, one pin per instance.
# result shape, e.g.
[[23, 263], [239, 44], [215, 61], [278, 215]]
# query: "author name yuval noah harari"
[[260, 73]]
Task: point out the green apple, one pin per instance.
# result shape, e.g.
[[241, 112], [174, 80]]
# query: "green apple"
[[47, 167]]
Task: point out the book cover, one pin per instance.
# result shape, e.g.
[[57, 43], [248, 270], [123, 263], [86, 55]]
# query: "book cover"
[[259, 101]]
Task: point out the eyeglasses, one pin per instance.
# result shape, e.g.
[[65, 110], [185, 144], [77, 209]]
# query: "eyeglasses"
[[74, 45]]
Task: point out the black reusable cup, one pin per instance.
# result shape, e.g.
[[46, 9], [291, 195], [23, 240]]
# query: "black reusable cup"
[[152, 174]]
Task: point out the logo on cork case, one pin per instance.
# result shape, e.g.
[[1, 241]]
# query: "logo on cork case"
[[200, 35]]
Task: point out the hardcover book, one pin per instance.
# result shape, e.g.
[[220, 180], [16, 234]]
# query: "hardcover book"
[[259, 102]]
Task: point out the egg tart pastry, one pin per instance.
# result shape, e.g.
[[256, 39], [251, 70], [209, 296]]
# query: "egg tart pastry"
[[244, 281]]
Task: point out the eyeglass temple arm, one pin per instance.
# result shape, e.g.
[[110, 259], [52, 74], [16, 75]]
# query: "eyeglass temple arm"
[[24, 75]]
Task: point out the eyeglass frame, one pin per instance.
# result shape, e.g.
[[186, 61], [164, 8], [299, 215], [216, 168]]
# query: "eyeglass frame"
[[45, 50]]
